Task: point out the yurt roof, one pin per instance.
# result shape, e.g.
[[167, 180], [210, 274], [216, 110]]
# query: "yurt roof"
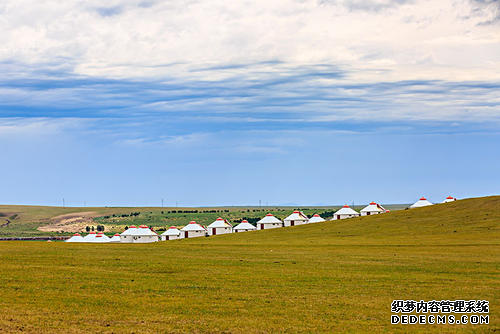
[[316, 219], [172, 231], [449, 199], [193, 226], [346, 210], [245, 225], [420, 203], [269, 219], [219, 223], [90, 236], [130, 231], [142, 230], [75, 238], [372, 207], [297, 215], [101, 237]]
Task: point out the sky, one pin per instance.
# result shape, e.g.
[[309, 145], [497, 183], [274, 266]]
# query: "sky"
[[285, 102]]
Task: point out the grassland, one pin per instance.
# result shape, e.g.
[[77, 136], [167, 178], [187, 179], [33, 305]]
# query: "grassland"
[[326, 277], [27, 221]]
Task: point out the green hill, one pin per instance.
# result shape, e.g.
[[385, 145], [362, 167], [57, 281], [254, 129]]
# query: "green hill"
[[325, 277]]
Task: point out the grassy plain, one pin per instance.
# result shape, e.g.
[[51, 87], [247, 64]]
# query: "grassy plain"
[[326, 277]]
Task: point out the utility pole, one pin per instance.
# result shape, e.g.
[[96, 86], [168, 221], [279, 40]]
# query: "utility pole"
[[260, 203], [64, 205], [162, 202]]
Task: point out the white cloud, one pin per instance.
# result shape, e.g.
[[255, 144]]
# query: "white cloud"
[[421, 39]]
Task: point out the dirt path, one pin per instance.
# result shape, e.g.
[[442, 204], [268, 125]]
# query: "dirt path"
[[71, 222]]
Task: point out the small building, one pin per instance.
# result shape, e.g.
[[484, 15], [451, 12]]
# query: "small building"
[[316, 219], [89, 237], [420, 203], [345, 212], [269, 221], [193, 230], [75, 238], [141, 234], [449, 199], [372, 209], [219, 226], [101, 237], [115, 238], [244, 226], [171, 233], [296, 218]]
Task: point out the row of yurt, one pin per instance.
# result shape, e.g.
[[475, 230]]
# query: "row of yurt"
[[424, 202], [96, 237]]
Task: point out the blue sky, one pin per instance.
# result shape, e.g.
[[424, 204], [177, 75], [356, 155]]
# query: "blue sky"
[[221, 103]]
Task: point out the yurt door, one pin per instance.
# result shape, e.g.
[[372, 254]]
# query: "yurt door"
[[214, 231], [292, 223], [186, 234]]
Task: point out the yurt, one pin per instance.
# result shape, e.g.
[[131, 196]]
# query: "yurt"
[[115, 238], [345, 212], [449, 199], [296, 218], [89, 237], [101, 237], [420, 203], [372, 209], [269, 221], [193, 230], [244, 226], [141, 234], [75, 238], [219, 226], [171, 233], [316, 219]]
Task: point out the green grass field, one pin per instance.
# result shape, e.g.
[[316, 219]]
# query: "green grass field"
[[326, 277]]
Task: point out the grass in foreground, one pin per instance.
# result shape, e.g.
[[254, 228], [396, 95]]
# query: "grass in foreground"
[[335, 276]]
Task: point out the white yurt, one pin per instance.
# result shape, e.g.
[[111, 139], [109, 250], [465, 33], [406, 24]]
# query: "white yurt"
[[141, 234], [75, 238], [89, 237], [372, 209], [101, 237], [115, 238], [171, 233], [345, 212], [449, 199], [219, 226], [316, 219], [193, 230], [244, 226], [269, 221], [420, 203], [296, 218]]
